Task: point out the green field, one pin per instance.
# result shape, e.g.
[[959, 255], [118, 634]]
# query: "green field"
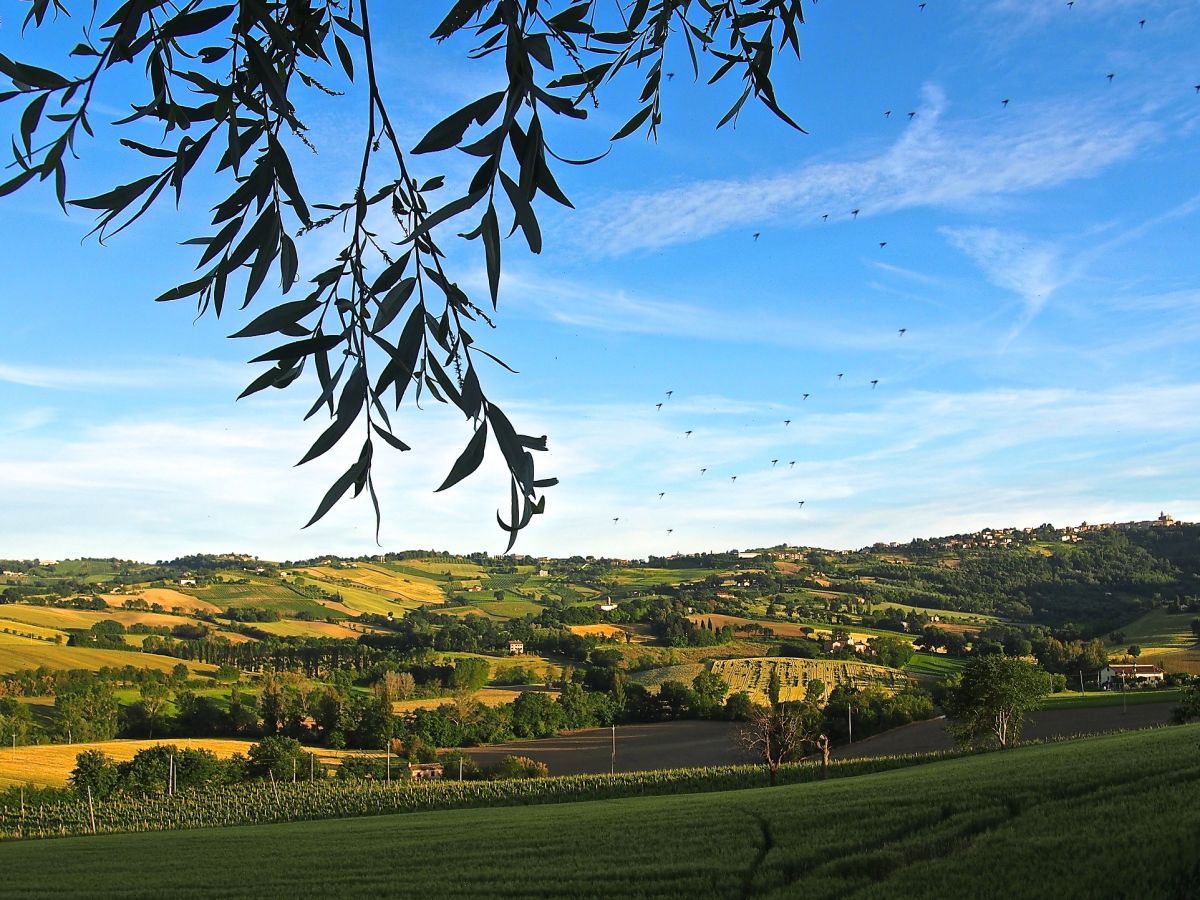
[[509, 608], [951, 616], [648, 577], [262, 593], [1159, 630], [1075, 700], [934, 664], [1008, 824]]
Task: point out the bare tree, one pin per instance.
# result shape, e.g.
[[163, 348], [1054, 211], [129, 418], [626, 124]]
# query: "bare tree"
[[777, 734]]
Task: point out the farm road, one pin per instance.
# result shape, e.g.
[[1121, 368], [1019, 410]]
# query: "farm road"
[[923, 737]]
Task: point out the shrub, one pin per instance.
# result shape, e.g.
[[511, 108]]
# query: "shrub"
[[519, 767]]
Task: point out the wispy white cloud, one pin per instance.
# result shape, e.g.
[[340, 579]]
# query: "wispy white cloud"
[[1016, 262], [937, 162], [917, 463], [153, 376], [597, 306]]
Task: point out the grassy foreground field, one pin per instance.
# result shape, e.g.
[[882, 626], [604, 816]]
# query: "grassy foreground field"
[[1012, 824]]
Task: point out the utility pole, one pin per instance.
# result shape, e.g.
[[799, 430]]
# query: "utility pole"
[[612, 765], [849, 723], [1081, 681]]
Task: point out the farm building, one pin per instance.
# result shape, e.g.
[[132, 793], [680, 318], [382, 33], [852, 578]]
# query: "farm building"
[[516, 648], [850, 644], [424, 771], [1130, 673]]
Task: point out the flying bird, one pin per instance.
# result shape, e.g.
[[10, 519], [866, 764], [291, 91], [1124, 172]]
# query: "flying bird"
[[921, 7], [801, 502], [874, 382], [658, 406], [840, 374], [1111, 76], [902, 330], [1197, 88], [882, 244], [733, 478], [787, 422], [1070, 4], [825, 217], [669, 393], [792, 464], [687, 434], [702, 471], [616, 518], [888, 114], [1004, 103], [670, 75], [756, 234], [773, 463], [1142, 23], [911, 115], [804, 397], [669, 530], [661, 494], [854, 213]]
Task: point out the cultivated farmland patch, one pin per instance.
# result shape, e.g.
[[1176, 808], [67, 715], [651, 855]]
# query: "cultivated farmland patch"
[[754, 675]]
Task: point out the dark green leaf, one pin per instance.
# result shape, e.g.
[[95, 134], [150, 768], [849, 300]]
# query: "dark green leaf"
[[273, 319], [470, 458]]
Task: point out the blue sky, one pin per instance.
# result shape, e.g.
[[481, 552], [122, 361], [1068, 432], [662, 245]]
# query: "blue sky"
[[1041, 255]]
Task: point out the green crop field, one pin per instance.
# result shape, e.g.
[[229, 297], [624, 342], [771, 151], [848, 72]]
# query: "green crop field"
[[1159, 630], [647, 577], [438, 568], [509, 608], [934, 664], [504, 582], [1075, 700], [959, 618], [1010, 824], [684, 672]]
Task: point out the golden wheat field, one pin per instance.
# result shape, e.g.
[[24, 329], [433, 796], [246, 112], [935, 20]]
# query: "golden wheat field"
[[49, 765], [36, 632], [167, 598], [753, 675], [611, 632], [26, 654], [404, 587], [489, 696]]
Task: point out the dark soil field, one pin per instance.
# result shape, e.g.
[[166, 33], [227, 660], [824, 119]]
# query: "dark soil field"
[[662, 745], [669, 745], [922, 737]]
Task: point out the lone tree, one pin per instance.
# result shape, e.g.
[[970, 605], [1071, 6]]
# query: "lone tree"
[[227, 87], [989, 705], [776, 734]]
